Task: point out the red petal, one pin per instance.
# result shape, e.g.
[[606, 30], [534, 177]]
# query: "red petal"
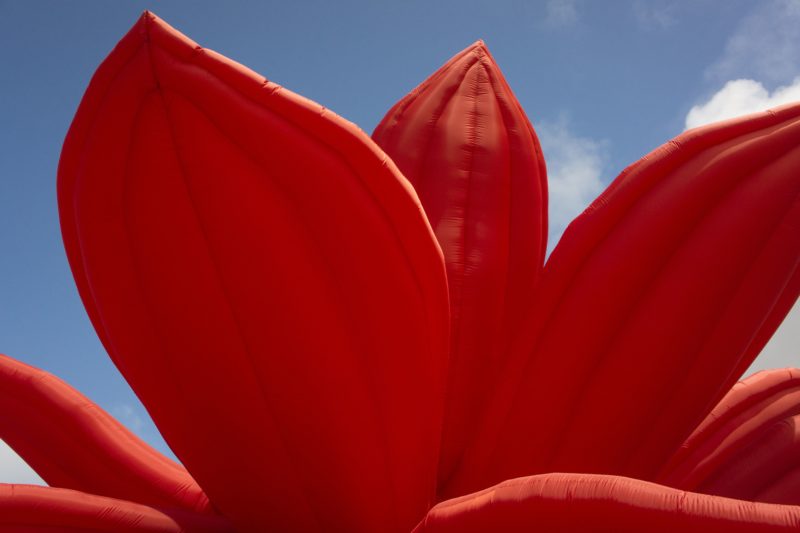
[[72, 443], [464, 142], [749, 446], [652, 304], [45, 509], [267, 282], [586, 503]]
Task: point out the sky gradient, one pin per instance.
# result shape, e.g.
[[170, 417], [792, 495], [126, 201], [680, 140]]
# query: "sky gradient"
[[603, 83]]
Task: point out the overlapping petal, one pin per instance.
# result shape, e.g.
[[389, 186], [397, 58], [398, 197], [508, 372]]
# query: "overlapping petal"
[[593, 503], [72, 443], [266, 280], [749, 446], [465, 144], [655, 300], [29, 509]]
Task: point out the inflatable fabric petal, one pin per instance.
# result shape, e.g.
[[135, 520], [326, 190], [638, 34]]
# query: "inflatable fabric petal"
[[594, 503], [31, 509], [267, 282], [464, 142], [749, 446], [652, 305], [72, 443]]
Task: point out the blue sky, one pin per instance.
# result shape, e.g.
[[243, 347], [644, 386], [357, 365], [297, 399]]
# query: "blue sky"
[[603, 83]]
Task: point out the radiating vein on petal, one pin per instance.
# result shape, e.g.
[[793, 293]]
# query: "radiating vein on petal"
[[465, 144], [265, 279]]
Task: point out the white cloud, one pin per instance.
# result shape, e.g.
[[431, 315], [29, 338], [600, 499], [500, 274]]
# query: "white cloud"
[[575, 167], [126, 414], [560, 13], [740, 97], [14, 470], [765, 46]]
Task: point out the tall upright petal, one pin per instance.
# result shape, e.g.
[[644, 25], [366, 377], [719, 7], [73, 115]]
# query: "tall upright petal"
[[464, 142], [653, 303], [265, 279], [596, 503], [749, 446], [28, 508], [72, 443]]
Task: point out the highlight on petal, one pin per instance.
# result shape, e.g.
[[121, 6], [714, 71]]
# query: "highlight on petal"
[[31, 508], [72, 443], [267, 282], [589, 503], [749, 446], [464, 142], [652, 305]]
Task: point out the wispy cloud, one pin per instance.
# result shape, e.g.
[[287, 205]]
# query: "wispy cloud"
[[765, 46], [575, 167], [654, 14], [14, 470], [561, 13], [740, 97], [129, 417]]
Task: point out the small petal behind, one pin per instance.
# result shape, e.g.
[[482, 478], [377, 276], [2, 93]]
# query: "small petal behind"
[[464, 142]]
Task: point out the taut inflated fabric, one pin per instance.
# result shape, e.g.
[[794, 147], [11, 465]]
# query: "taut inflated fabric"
[[265, 279], [72, 443], [324, 350], [651, 306], [468, 149], [749, 446]]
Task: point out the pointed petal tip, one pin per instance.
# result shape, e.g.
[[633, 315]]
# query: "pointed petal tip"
[[479, 48]]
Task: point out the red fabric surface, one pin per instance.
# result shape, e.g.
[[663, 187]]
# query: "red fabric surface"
[[749, 446], [266, 281], [271, 286], [652, 303], [72, 443], [594, 503], [29, 509], [465, 144]]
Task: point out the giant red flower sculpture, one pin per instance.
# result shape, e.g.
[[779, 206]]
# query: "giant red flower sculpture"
[[323, 354]]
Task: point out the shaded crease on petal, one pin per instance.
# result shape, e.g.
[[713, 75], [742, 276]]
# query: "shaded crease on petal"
[[656, 296], [748, 447], [72, 443], [463, 141], [265, 279]]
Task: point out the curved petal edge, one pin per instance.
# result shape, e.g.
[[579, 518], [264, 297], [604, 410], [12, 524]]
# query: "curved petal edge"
[[594, 503], [748, 447], [72, 443], [30, 508]]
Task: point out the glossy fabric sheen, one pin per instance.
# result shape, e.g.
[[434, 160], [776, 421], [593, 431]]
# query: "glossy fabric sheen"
[[266, 280], [72, 443], [464, 142], [594, 503], [31, 509], [655, 300], [749, 446]]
